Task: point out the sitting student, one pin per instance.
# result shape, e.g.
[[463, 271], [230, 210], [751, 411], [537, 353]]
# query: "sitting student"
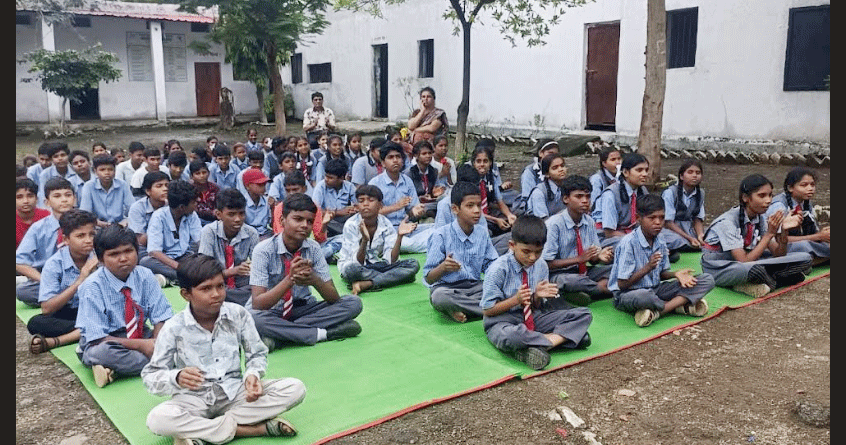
[[448, 170], [60, 158], [224, 172], [258, 207], [26, 212], [295, 183], [256, 161], [155, 186], [494, 210], [119, 156], [60, 279], [615, 211], [252, 143], [320, 145], [532, 175], [306, 160], [747, 251], [506, 188], [335, 150], [213, 401], [353, 150], [114, 304], [684, 206], [206, 191], [799, 187], [368, 166], [369, 257], [201, 154], [81, 165], [641, 263], [277, 185], [176, 166], [456, 257], [42, 239], [335, 194], [239, 156], [283, 268], [98, 149], [231, 241], [27, 162], [271, 158], [20, 170], [107, 197], [126, 169], [522, 314], [427, 183], [610, 159], [34, 172], [545, 200], [572, 242], [152, 163], [173, 231]]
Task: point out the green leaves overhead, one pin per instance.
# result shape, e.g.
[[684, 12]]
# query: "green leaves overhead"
[[70, 73]]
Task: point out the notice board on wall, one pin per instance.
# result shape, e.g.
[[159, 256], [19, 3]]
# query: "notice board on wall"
[[140, 60]]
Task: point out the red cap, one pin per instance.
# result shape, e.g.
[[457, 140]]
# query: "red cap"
[[254, 176]]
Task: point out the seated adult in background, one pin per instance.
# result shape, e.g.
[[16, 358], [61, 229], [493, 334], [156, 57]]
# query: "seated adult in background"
[[427, 121], [317, 118]]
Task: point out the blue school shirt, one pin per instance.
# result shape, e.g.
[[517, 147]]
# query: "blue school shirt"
[[631, 254], [109, 205], [610, 210], [363, 170], [268, 267], [258, 214], [504, 277], [539, 203], [330, 199], [224, 179], [727, 235], [561, 236], [271, 164], [474, 252], [530, 177], [320, 170], [444, 215], [276, 188], [242, 165], [139, 215], [393, 192], [250, 146], [34, 173], [670, 195], [213, 242], [58, 274], [49, 173], [101, 302], [597, 184], [39, 242], [162, 233]]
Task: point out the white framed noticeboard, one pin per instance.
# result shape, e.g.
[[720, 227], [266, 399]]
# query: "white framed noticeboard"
[[140, 59]]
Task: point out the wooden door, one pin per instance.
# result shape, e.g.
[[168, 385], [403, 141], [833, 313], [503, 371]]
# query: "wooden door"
[[207, 87], [601, 76]]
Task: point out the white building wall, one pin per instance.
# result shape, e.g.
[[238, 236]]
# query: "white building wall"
[[733, 91]]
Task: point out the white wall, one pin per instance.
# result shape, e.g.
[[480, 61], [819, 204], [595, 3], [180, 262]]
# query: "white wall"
[[733, 91]]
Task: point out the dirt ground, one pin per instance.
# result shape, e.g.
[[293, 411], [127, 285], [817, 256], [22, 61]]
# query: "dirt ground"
[[730, 380]]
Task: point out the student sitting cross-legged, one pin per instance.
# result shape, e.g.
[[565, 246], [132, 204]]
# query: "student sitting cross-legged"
[[369, 257], [197, 360], [115, 302], [106, 196], [457, 255], [523, 314], [641, 262], [283, 268]]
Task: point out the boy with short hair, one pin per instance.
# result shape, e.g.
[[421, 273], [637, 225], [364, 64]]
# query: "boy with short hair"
[[368, 166], [152, 162], [26, 211], [295, 182], [106, 196], [33, 172], [177, 162], [256, 161], [126, 169], [369, 256], [223, 172], [457, 255], [522, 314], [114, 304], [173, 230], [272, 157], [42, 239], [335, 194], [283, 268], [239, 156], [258, 208], [61, 277], [213, 400], [59, 154], [641, 262], [572, 243], [287, 162], [231, 241], [138, 218]]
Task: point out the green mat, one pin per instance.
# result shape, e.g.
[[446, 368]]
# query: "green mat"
[[407, 356]]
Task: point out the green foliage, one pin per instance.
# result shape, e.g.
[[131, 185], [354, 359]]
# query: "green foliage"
[[289, 104], [70, 73]]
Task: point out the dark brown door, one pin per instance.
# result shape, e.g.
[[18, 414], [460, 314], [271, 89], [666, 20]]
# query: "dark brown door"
[[207, 86], [601, 76]]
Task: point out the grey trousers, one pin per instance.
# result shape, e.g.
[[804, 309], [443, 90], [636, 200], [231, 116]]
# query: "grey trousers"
[[457, 297], [416, 241], [161, 268], [508, 332], [654, 298], [27, 292], [115, 356], [675, 241], [306, 318], [189, 416], [727, 272], [569, 280], [818, 249], [241, 292], [382, 274]]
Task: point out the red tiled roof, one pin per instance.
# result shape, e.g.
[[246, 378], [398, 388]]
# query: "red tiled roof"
[[145, 11]]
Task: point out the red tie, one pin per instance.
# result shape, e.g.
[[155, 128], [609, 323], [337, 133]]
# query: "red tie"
[[633, 210], [425, 184], [60, 240], [229, 253], [528, 319], [379, 168], [133, 315], [799, 208], [305, 168], [483, 190], [747, 239], [288, 302], [579, 251]]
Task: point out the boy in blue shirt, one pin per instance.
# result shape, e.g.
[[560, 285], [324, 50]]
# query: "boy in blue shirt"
[[106, 196], [213, 400], [173, 231], [115, 302], [258, 205], [641, 262], [155, 187], [223, 172], [457, 255], [60, 158], [523, 315], [335, 194], [44, 162], [256, 160]]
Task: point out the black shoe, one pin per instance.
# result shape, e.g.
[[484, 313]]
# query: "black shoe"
[[536, 358], [578, 298], [346, 329], [674, 257], [758, 275], [585, 342]]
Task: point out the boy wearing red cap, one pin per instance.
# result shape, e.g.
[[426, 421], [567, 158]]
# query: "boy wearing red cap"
[[258, 209]]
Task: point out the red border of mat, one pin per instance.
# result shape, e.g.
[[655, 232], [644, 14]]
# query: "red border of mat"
[[421, 405]]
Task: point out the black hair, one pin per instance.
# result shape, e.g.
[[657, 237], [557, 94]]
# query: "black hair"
[[545, 164], [178, 159], [152, 178], [57, 183], [575, 182], [287, 155], [437, 139], [332, 137], [749, 185], [29, 159], [255, 155], [201, 153], [230, 198], [489, 176], [388, 147], [82, 153], [112, 237], [20, 171], [467, 172], [696, 204], [429, 89], [294, 177], [44, 149], [221, 150], [795, 175], [196, 268], [99, 144], [28, 184], [152, 151], [104, 160], [197, 165], [115, 151], [136, 146], [630, 160], [607, 179], [55, 147], [209, 139], [529, 229], [375, 144], [369, 190], [250, 130], [277, 141], [316, 94], [486, 142], [298, 202], [649, 203], [74, 219], [415, 150], [166, 149], [336, 167], [462, 189], [543, 144], [180, 193]]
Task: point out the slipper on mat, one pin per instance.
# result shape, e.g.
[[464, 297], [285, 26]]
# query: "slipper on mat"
[[280, 427], [42, 346]]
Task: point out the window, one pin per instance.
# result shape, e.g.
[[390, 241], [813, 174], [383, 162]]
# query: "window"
[[22, 18], [81, 22], [807, 63], [426, 52], [297, 68], [200, 27], [681, 37], [321, 72]]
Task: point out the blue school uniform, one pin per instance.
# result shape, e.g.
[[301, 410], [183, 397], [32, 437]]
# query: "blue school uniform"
[[225, 179], [364, 169], [561, 243], [320, 169], [598, 182], [163, 235], [242, 165], [34, 173], [393, 192], [530, 178], [213, 242], [49, 173], [693, 207], [39, 243], [59, 273], [138, 217], [808, 226], [540, 204], [276, 188], [328, 198], [258, 215], [110, 205], [612, 213]]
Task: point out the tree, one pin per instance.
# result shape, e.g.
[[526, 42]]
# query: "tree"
[[269, 28], [70, 73], [528, 20], [652, 112]]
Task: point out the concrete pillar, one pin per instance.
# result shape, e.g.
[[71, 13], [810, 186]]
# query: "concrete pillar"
[[158, 70], [54, 102]]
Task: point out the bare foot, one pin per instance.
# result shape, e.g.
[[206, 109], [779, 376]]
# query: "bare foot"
[[361, 286], [459, 316]]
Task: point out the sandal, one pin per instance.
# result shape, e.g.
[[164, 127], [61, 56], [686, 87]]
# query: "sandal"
[[280, 427], [43, 344]]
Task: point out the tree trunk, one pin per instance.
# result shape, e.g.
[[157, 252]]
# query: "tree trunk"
[[278, 90], [260, 96], [62, 116], [464, 106], [652, 113]]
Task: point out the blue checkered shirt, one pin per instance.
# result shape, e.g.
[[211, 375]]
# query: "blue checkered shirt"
[[631, 254], [504, 277], [474, 252]]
